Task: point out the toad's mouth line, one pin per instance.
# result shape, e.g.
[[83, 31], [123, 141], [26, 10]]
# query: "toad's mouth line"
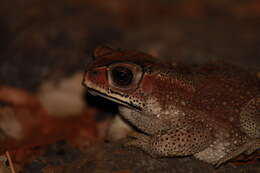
[[114, 99]]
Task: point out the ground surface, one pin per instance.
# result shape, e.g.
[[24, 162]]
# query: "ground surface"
[[114, 158]]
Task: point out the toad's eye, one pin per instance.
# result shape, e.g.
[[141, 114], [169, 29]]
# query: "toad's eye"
[[122, 76]]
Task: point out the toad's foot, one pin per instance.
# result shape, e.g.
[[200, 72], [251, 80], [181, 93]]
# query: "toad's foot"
[[247, 148]]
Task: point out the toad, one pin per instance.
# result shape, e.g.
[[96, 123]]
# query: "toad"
[[210, 111]]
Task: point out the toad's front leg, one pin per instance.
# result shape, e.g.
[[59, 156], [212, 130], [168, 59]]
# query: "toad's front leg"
[[174, 142], [248, 148]]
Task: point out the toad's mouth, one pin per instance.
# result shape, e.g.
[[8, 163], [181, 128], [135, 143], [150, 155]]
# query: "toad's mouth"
[[114, 99]]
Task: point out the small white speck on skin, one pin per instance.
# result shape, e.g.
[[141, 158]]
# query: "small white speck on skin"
[[231, 119], [227, 135], [226, 144], [166, 112]]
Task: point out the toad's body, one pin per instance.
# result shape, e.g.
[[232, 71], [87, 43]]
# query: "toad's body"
[[209, 111]]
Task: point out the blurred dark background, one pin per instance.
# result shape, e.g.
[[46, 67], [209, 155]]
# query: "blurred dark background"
[[53, 39]]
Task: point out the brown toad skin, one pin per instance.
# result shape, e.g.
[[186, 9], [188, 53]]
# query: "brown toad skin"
[[211, 111]]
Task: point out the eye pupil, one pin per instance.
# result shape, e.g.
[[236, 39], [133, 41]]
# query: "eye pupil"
[[122, 76]]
